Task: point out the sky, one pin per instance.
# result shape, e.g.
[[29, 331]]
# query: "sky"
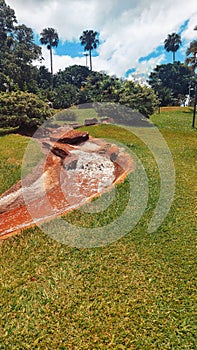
[[131, 32]]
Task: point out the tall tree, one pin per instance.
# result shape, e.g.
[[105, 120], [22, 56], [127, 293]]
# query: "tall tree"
[[100, 87], [172, 43], [75, 75], [24, 47], [89, 41], [50, 38], [191, 54], [7, 20], [170, 82], [17, 51]]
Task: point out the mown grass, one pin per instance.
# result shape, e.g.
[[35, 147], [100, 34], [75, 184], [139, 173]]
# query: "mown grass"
[[175, 119], [137, 293], [80, 115], [12, 148]]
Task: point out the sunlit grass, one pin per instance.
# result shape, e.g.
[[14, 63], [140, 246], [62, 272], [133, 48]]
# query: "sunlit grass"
[[137, 293], [12, 148], [179, 120]]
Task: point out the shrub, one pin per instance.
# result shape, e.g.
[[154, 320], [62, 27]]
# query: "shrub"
[[22, 109]]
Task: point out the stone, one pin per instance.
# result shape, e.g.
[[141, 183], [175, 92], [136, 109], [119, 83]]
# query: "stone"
[[75, 125], [70, 163], [68, 176], [70, 136], [107, 120], [112, 152], [59, 149], [91, 121]]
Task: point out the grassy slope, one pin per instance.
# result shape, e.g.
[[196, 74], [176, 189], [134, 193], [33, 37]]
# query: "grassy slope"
[[137, 293]]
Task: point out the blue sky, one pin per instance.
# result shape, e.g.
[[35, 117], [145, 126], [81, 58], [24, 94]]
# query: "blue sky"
[[131, 32]]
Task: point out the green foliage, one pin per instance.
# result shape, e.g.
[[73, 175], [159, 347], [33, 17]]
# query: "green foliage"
[[49, 37], [75, 75], [22, 109], [7, 20], [100, 87], [89, 41], [72, 86], [17, 51], [171, 82], [191, 55], [64, 96], [43, 78], [139, 98], [172, 43]]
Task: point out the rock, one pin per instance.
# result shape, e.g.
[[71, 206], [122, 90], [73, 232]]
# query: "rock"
[[113, 157], [112, 152], [68, 176], [59, 149], [69, 136], [75, 125], [107, 120], [70, 164], [91, 121], [62, 129]]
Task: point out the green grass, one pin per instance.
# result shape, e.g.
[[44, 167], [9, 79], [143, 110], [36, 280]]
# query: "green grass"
[[176, 120], [12, 148], [137, 293], [81, 115]]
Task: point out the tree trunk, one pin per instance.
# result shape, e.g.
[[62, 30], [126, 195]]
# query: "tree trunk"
[[90, 59], [173, 53], [51, 60]]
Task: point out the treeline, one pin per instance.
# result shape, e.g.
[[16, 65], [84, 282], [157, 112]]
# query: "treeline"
[[76, 85], [22, 81], [172, 83], [72, 86]]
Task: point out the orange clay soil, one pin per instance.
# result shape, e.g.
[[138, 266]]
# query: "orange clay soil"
[[76, 168]]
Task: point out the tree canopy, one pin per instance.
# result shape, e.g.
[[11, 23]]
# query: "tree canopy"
[[171, 82], [17, 50], [172, 43], [49, 37], [90, 42], [74, 85], [191, 53]]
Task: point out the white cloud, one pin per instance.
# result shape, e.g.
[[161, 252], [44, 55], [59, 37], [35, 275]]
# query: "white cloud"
[[129, 29], [189, 33], [59, 62]]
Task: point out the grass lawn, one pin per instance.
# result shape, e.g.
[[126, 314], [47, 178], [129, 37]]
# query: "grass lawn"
[[137, 293]]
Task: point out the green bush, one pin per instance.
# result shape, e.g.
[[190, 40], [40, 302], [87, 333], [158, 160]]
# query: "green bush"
[[139, 98], [22, 109]]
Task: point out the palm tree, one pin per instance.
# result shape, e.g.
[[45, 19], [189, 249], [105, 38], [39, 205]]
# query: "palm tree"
[[191, 54], [172, 43], [50, 38], [89, 40]]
